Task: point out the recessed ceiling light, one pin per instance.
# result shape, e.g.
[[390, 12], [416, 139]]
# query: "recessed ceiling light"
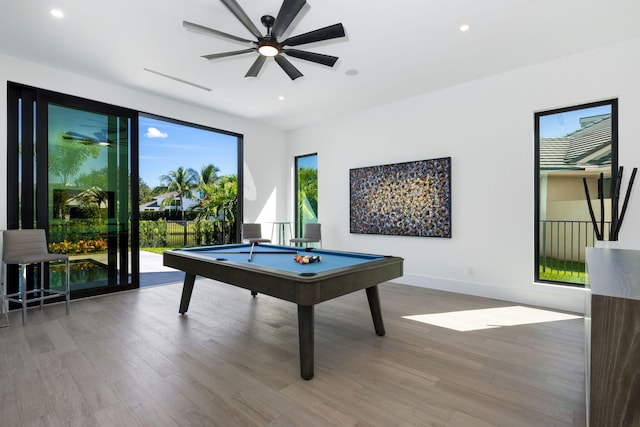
[[464, 28], [57, 13], [281, 98]]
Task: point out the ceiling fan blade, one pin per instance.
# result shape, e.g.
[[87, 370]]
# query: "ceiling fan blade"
[[288, 12], [225, 54], [256, 67], [235, 8], [319, 58], [288, 67], [197, 27], [326, 33]]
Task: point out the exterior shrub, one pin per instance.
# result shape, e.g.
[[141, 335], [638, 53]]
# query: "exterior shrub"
[[153, 234], [175, 215], [205, 230], [80, 247]]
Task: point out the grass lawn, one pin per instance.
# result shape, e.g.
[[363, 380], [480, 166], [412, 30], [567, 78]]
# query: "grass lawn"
[[156, 250], [560, 271]]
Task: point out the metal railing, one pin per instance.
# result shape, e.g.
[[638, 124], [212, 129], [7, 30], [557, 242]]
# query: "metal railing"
[[563, 243], [185, 233], [179, 233]]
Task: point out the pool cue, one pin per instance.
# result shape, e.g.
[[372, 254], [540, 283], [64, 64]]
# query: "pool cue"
[[246, 252], [251, 251]]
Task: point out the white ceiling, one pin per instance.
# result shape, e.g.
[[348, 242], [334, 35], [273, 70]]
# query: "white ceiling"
[[400, 48]]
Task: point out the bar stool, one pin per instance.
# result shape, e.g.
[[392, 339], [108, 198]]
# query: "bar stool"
[[311, 234], [24, 248], [252, 233]]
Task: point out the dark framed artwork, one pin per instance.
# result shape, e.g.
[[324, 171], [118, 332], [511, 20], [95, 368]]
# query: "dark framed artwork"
[[402, 199]]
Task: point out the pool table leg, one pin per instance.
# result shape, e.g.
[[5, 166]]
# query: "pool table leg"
[[376, 311], [187, 289], [305, 337]]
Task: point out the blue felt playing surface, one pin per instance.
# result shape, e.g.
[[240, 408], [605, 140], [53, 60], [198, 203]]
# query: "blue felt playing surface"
[[276, 257]]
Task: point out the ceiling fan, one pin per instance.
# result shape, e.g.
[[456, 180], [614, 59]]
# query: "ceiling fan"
[[268, 45], [99, 139]]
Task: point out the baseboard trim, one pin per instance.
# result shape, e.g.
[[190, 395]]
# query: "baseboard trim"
[[565, 298]]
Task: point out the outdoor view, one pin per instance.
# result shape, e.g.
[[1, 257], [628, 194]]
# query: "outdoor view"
[[306, 191], [572, 144], [188, 185], [187, 191]]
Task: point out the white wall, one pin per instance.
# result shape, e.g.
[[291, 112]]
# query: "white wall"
[[486, 127], [264, 153]]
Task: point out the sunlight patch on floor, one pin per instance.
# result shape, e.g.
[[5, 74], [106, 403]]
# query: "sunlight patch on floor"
[[488, 318]]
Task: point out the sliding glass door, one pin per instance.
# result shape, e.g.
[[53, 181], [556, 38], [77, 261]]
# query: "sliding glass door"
[[73, 178], [88, 204]]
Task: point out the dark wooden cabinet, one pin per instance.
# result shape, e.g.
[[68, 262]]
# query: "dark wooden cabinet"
[[612, 320]]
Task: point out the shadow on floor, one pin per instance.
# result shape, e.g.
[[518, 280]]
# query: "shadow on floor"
[[153, 273], [156, 278]]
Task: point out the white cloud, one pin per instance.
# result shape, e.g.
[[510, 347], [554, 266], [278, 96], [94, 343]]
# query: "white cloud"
[[155, 133]]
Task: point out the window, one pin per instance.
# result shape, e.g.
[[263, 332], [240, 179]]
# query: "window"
[[188, 177], [306, 191], [574, 145]]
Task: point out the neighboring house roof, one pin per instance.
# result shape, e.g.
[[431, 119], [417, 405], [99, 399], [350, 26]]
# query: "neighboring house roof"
[[154, 204], [589, 145], [157, 201], [553, 153], [161, 197]]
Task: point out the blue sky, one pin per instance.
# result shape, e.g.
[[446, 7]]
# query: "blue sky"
[[562, 124], [165, 146], [308, 162]]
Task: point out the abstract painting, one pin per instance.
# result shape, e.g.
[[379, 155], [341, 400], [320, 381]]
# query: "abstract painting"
[[402, 199]]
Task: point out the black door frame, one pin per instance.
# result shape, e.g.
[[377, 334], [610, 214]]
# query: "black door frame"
[[33, 103]]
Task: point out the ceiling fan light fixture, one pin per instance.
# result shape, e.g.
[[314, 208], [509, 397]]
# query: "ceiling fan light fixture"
[[270, 45], [268, 49]]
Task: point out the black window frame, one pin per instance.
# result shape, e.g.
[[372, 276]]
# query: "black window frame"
[[613, 103], [34, 104], [298, 225]]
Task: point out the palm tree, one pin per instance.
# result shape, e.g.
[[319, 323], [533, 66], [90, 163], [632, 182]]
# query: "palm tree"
[[182, 181], [209, 174], [220, 200]]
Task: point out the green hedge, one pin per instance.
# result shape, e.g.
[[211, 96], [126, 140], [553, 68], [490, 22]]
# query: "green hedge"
[[76, 230], [173, 215], [154, 234], [213, 232]]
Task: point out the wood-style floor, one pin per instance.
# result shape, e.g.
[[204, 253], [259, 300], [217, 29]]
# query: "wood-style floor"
[[130, 359]]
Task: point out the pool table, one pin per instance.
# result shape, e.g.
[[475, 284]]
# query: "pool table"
[[272, 270]]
